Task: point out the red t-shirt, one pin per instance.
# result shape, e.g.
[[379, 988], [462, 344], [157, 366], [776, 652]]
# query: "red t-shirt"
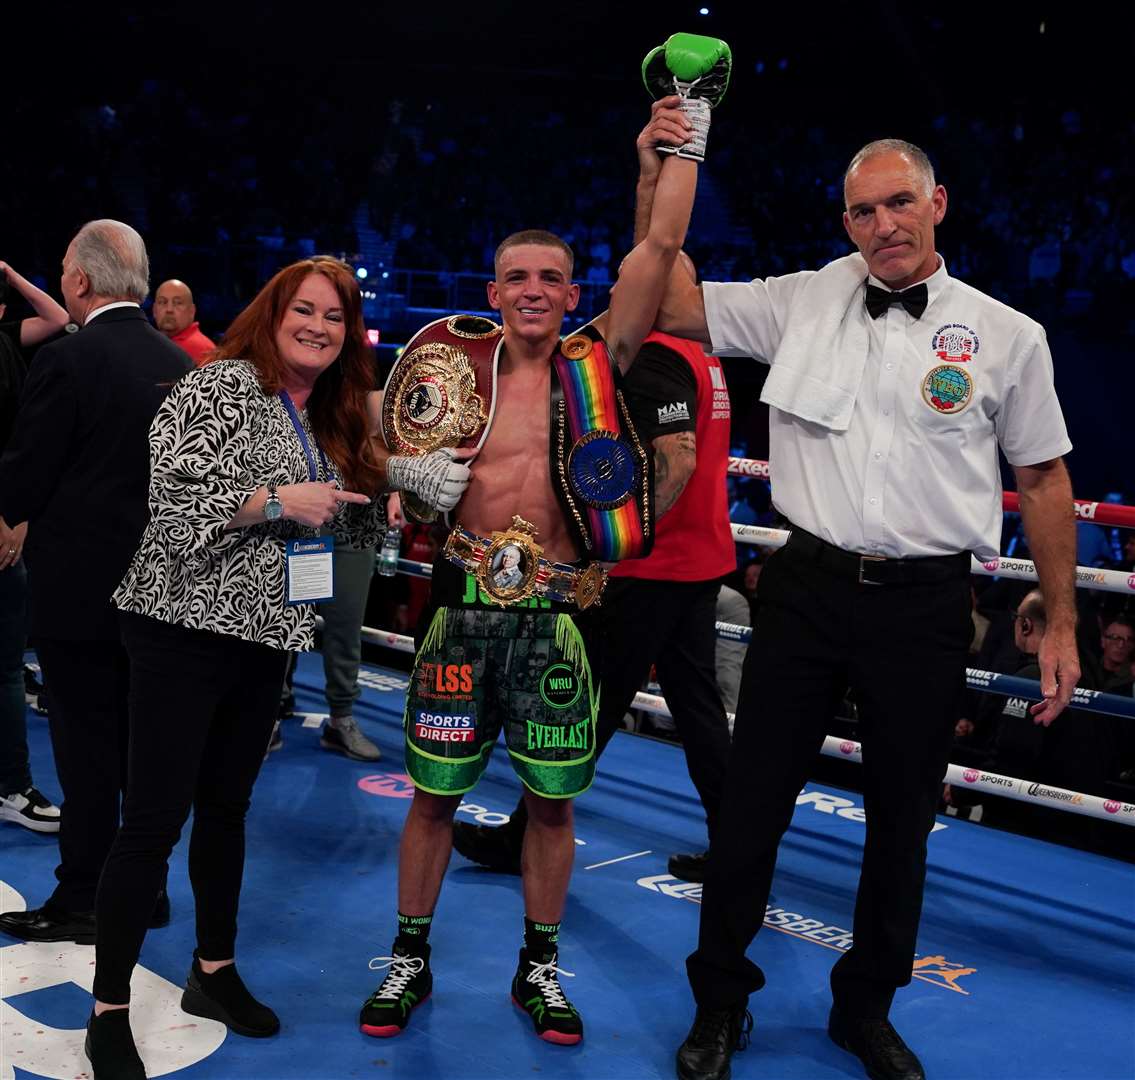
[[193, 342], [693, 541]]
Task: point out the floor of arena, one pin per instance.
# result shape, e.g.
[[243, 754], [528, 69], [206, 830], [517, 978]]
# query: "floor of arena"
[[1026, 965]]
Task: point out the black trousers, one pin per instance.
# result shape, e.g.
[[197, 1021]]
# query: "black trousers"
[[202, 706], [670, 624], [902, 649], [86, 684]]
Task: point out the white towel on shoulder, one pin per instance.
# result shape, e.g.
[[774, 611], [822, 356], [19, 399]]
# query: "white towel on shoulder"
[[819, 363]]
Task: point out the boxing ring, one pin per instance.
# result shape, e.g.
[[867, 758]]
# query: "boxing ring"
[[1025, 968]]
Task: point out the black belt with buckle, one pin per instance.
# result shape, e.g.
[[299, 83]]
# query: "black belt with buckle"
[[876, 569]]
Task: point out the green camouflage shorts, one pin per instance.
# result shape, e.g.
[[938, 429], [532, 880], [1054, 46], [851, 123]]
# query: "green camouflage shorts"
[[521, 669]]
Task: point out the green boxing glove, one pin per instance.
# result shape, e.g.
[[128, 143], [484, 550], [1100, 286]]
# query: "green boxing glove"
[[697, 69]]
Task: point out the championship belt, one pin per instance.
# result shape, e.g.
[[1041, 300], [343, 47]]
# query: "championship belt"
[[602, 474], [510, 567], [440, 391]]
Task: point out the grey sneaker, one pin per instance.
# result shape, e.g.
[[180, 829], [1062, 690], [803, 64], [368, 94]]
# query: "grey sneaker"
[[342, 734], [30, 809]]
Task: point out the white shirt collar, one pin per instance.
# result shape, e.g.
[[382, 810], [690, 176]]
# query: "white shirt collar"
[[107, 307], [935, 283]]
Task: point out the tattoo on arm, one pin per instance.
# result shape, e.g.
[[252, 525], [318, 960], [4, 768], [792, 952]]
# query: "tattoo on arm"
[[675, 457]]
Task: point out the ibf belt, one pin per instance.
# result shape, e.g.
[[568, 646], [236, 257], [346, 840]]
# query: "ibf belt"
[[439, 391], [509, 566], [603, 473]]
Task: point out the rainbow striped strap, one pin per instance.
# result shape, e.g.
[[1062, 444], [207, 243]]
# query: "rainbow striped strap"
[[603, 473]]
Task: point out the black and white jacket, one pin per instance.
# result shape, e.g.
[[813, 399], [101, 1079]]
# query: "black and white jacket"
[[215, 440]]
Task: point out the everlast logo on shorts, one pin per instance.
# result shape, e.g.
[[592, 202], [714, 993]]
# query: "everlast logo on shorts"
[[550, 737], [446, 681]]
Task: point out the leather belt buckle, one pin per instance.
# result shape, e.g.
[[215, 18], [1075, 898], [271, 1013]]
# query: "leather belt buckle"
[[869, 559]]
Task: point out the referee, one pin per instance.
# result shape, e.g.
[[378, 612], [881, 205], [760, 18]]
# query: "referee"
[[891, 387]]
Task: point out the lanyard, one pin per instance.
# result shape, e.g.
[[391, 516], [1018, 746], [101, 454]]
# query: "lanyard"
[[312, 472]]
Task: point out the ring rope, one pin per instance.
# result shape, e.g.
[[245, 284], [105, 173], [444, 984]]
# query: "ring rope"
[[1007, 786], [1113, 514]]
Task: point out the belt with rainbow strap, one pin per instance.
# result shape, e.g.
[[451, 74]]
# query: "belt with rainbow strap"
[[602, 474]]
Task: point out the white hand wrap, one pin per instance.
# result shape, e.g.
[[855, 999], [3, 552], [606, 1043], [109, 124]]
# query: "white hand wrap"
[[436, 478], [697, 111]]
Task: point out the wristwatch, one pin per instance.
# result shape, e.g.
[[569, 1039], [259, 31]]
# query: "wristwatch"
[[273, 508]]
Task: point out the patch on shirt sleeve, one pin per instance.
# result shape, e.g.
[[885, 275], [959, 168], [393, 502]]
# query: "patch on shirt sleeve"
[[672, 413]]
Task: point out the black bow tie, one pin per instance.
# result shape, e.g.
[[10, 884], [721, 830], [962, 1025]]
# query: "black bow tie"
[[913, 299]]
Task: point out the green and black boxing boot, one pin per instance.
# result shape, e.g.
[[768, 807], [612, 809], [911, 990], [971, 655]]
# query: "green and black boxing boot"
[[408, 983], [536, 989], [697, 69]]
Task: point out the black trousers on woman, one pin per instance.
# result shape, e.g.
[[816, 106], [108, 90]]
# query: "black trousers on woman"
[[822, 625], [202, 706]]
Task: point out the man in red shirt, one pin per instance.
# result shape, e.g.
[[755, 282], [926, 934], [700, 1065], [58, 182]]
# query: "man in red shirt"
[[175, 314]]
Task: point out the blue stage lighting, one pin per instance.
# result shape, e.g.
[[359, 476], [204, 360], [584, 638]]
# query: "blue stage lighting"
[[361, 273]]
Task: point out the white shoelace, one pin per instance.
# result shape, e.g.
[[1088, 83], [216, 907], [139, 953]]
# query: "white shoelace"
[[402, 970], [543, 976]]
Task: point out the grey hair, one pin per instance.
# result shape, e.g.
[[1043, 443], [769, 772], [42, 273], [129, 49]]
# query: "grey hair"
[[113, 256], [896, 146]]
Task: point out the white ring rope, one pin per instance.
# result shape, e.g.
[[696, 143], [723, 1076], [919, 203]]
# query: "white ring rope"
[[962, 777]]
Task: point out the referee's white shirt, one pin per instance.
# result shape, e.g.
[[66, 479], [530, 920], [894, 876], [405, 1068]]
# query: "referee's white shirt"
[[906, 478]]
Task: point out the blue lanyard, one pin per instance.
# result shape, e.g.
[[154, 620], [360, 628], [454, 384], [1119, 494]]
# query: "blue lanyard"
[[312, 472]]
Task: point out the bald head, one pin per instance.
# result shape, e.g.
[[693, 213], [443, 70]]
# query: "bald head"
[[1032, 606], [174, 309]]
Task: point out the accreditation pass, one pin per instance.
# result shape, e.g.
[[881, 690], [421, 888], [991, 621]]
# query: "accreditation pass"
[[311, 575]]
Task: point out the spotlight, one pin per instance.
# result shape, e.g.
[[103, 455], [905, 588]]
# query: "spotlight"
[[703, 11], [361, 273], [372, 337]]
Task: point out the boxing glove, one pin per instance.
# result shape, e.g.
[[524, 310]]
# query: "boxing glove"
[[696, 68]]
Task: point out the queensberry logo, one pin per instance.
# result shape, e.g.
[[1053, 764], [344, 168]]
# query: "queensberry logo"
[[316, 546], [932, 969]]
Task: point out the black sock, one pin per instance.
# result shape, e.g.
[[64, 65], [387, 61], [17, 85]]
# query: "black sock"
[[540, 939], [413, 930]]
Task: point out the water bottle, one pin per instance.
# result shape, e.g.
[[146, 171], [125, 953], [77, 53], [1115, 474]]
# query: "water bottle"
[[388, 556]]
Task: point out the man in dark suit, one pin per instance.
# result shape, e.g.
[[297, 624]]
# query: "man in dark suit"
[[76, 468]]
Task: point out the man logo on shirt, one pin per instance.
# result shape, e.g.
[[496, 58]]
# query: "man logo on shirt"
[[676, 410]]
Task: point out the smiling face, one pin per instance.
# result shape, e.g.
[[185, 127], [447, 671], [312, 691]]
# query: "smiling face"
[[890, 218], [310, 335], [533, 291]]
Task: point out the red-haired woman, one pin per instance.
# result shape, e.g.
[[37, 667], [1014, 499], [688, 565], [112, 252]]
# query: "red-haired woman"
[[264, 446]]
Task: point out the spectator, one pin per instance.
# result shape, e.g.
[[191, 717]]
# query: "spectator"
[[248, 454], [1118, 645], [175, 315], [20, 801], [76, 470]]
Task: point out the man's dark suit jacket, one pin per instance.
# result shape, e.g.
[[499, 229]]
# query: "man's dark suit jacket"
[[77, 467]]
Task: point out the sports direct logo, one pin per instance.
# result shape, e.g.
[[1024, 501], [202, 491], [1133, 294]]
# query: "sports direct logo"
[[444, 727]]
